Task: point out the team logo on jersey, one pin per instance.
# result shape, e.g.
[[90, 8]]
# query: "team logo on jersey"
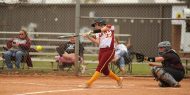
[[106, 34]]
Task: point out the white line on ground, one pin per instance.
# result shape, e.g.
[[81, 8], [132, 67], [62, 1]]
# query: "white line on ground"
[[38, 84], [51, 91]]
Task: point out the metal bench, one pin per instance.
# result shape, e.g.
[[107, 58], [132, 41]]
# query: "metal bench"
[[50, 47], [187, 66]]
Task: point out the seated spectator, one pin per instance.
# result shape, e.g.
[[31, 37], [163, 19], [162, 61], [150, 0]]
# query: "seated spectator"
[[67, 52], [121, 52], [18, 47]]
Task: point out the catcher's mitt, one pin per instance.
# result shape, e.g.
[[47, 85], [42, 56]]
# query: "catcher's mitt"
[[140, 57]]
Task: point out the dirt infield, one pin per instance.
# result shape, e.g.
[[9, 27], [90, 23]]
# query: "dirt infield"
[[68, 85]]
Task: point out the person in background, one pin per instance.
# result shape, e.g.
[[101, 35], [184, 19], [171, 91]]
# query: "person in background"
[[121, 53], [66, 52], [18, 47]]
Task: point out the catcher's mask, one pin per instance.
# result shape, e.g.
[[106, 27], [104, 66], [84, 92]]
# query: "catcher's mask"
[[99, 21], [164, 47]]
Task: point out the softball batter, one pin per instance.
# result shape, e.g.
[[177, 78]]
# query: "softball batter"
[[105, 40]]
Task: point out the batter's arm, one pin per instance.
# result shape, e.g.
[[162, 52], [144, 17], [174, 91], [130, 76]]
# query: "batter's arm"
[[96, 41]]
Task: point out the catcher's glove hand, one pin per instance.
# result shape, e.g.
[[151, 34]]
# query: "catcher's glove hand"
[[140, 57]]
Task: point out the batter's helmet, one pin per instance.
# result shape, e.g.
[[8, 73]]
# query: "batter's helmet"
[[99, 21]]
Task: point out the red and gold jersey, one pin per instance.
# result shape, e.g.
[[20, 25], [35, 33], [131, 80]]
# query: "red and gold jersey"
[[106, 38]]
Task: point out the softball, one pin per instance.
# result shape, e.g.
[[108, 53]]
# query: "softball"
[[39, 48]]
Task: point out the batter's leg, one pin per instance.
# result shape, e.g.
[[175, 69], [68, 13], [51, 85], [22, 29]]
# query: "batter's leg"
[[94, 77], [115, 77]]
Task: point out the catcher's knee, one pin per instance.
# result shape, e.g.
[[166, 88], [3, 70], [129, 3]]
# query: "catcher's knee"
[[155, 69], [157, 72]]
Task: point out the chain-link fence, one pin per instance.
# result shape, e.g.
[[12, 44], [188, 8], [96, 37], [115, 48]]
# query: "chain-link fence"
[[148, 24]]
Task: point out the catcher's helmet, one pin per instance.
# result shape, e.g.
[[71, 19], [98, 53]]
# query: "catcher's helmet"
[[99, 21], [166, 45]]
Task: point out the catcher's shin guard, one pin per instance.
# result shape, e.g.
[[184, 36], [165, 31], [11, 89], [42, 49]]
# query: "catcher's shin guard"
[[153, 70], [163, 84], [166, 77], [170, 80]]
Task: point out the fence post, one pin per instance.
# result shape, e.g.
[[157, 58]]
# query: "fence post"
[[77, 28]]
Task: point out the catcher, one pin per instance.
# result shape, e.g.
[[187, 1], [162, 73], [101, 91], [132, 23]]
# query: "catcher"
[[171, 71]]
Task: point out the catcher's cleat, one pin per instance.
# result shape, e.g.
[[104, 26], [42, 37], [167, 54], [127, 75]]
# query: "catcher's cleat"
[[85, 85], [167, 85], [161, 84], [119, 83], [177, 85]]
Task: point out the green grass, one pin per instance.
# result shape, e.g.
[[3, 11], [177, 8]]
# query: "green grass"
[[137, 69], [90, 58], [46, 67], [141, 69]]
